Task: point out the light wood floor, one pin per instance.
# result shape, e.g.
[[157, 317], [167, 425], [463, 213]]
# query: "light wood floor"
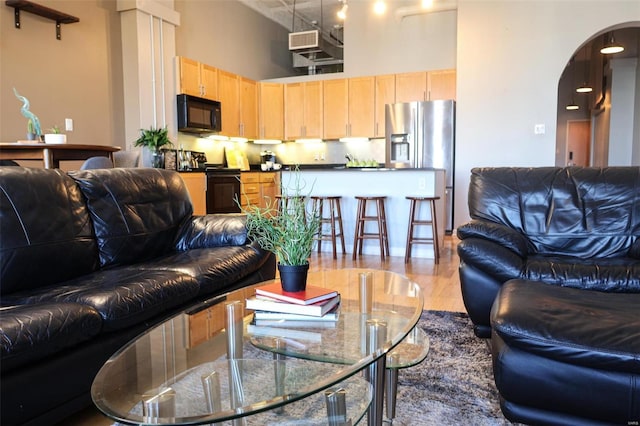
[[440, 284]]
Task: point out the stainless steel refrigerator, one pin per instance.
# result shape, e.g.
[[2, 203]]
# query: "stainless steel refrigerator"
[[422, 135]]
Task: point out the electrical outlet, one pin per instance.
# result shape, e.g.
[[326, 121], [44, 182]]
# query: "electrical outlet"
[[68, 124], [539, 129]]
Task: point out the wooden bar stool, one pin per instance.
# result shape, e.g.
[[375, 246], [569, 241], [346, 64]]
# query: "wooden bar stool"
[[333, 219], [413, 221], [380, 218]]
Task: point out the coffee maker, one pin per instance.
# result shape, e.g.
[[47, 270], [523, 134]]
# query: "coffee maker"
[[267, 160]]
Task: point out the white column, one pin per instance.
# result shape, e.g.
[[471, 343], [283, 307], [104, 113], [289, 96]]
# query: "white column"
[[148, 58]]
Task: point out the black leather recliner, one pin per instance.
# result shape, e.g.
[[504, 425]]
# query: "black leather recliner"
[[574, 227], [89, 260]]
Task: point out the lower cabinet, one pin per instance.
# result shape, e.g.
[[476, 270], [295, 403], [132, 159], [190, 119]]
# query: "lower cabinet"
[[259, 188], [197, 186], [208, 319]]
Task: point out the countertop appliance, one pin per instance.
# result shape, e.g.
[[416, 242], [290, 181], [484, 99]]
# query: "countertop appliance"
[[223, 188], [422, 135], [267, 160], [198, 115]]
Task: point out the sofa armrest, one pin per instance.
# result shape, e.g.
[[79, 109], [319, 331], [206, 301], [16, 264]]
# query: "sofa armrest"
[[496, 233], [634, 252], [212, 230], [493, 259]]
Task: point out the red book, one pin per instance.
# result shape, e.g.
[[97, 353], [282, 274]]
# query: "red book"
[[310, 295]]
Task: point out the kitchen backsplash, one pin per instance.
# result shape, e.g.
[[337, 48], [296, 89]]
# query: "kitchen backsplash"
[[290, 152]]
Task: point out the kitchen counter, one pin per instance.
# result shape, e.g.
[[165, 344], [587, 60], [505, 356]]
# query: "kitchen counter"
[[395, 184]]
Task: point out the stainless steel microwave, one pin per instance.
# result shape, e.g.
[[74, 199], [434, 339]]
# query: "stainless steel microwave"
[[198, 115]]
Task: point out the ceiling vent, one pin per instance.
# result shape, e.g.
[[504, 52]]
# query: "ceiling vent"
[[313, 46]]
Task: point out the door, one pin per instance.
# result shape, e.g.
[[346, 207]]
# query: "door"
[[578, 142]]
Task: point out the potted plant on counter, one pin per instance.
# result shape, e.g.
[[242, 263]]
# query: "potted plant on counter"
[[154, 139], [288, 229]]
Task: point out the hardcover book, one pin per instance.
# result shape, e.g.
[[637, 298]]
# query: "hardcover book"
[[285, 333], [310, 295], [331, 316], [317, 309]]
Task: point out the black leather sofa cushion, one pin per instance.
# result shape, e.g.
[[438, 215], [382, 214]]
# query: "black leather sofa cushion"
[[574, 211], [136, 213], [582, 327], [32, 332], [123, 297], [213, 230], [213, 269], [60, 237], [564, 356]]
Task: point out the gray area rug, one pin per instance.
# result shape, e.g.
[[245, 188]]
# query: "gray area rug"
[[454, 385]]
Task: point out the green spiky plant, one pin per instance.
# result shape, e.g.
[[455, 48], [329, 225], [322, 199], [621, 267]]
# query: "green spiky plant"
[[288, 232], [153, 138]]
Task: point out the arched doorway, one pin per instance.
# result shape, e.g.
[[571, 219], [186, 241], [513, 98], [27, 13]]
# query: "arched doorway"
[[603, 127]]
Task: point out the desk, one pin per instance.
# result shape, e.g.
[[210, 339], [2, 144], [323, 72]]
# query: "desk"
[[52, 154]]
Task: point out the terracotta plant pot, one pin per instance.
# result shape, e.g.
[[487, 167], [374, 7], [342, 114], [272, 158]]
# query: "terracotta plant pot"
[[293, 277]]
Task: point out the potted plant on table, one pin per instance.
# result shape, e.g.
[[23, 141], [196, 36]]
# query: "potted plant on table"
[[154, 139], [55, 136], [288, 230]]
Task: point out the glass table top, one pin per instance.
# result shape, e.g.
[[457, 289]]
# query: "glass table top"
[[183, 362]]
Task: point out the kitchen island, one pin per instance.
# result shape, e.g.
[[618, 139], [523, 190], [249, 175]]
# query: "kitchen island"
[[395, 184]]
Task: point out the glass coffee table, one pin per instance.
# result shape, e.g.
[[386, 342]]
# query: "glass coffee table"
[[203, 366]]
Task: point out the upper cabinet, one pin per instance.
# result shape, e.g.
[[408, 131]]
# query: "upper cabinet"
[[335, 108], [197, 79], [303, 110], [349, 107], [229, 97], [442, 85], [385, 94], [248, 108], [411, 87], [361, 107], [271, 111], [426, 86], [239, 99]]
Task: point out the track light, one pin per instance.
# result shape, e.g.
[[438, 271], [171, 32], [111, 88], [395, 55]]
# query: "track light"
[[584, 88], [380, 7], [342, 13], [572, 106], [610, 45]]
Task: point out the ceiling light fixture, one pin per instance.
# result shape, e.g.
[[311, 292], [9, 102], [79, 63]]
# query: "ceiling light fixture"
[[610, 45], [342, 13], [379, 7], [585, 87], [426, 4], [572, 106]]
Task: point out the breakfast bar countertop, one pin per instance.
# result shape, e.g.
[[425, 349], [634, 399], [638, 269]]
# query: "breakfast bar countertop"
[[343, 167]]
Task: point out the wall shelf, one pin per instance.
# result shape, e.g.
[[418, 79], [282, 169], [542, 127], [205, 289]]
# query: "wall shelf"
[[37, 9]]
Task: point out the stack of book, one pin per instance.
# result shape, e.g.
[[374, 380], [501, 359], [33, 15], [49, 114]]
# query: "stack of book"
[[276, 312]]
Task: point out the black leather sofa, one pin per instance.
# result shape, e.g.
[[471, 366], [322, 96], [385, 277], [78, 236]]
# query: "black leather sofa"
[[89, 260], [572, 227]]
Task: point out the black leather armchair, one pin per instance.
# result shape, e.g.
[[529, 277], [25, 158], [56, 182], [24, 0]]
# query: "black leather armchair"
[[91, 259], [574, 227]]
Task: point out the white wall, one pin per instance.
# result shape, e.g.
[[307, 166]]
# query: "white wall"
[[503, 91], [623, 94]]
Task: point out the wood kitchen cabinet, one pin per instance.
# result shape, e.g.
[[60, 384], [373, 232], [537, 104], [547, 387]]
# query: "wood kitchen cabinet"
[[196, 184], [303, 110], [385, 93], [197, 79], [441, 84], [361, 107], [411, 86], [349, 107], [271, 111], [239, 97], [208, 319], [229, 97], [335, 95], [248, 108], [259, 188]]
